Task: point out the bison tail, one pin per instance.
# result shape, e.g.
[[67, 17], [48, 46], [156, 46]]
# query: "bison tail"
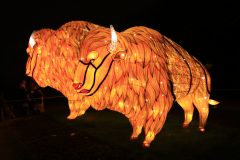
[[213, 102]]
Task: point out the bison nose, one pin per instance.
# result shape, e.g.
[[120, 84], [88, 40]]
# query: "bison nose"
[[92, 56]]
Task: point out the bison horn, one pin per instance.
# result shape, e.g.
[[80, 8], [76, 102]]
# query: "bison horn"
[[113, 44], [32, 41]]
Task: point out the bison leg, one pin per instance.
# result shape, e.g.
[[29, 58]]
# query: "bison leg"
[[154, 125], [137, 122], [73, 113], [201, 104], [136, 131], [137, 128], [187, 105], [77, 108]]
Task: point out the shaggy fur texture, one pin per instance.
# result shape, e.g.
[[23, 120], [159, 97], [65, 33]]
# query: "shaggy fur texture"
[[140, 78]]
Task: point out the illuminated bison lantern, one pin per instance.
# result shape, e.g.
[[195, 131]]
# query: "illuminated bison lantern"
[[137, 72]]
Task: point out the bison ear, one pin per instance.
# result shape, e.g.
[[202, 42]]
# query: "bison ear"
[[32, 41], [113, 44]]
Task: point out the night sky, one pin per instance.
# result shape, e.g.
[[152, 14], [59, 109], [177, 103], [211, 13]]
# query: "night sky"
[[208, 31]]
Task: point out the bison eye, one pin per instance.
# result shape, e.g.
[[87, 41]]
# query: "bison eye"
[[92, 56], [119, 55]]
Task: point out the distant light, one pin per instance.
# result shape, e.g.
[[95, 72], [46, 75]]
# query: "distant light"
[[72, 134]]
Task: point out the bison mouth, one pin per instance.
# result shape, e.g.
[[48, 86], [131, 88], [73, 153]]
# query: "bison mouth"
[[94, 76]]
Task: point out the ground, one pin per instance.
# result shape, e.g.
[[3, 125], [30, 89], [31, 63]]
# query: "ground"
[[104, 135]]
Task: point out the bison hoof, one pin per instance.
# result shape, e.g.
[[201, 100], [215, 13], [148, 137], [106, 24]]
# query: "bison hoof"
[[146, 145], [133, 138], [72, 116], [185, 125], [201, 129]]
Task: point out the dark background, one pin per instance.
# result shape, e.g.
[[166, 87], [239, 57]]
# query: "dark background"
[[209, 31]]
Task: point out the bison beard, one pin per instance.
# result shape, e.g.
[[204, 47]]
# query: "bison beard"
[[140, 75]]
